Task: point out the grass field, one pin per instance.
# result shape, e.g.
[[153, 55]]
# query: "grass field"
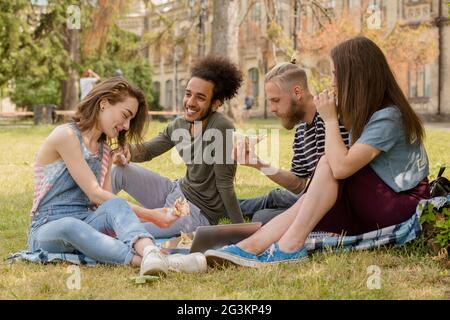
[[407, 272]]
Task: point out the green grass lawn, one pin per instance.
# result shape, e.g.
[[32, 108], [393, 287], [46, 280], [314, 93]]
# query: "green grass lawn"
[[407, 272]]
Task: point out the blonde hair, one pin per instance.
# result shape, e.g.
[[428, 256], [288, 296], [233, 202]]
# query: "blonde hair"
[[287, 74]]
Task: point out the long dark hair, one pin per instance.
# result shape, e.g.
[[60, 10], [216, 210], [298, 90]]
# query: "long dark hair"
[[115, 90], [366, 84]]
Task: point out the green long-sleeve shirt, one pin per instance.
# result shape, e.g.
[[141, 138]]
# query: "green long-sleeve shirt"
[[210, 171]]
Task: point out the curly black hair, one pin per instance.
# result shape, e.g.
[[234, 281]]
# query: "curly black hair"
[[224, 74]]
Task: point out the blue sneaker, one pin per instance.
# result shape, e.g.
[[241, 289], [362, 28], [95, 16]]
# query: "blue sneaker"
[[232, 254], [275, 255]]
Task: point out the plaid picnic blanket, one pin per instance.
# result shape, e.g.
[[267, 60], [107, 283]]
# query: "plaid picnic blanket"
[[396, 235]]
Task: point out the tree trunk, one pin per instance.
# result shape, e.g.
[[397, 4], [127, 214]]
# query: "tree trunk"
[[146, 28], [201, 29], [69, 87], [219, 39], [225, 31]]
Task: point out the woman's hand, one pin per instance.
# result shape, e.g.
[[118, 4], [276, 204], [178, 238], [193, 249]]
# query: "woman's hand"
[[326, 106], [122, 156]]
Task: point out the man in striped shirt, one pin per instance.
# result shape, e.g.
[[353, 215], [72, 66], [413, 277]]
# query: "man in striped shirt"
[[290, 100]]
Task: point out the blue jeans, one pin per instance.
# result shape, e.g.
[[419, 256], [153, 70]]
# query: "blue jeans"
[[69, 229], [265, 208]]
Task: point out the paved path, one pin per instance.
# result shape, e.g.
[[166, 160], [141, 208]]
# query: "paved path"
[[438, 125]]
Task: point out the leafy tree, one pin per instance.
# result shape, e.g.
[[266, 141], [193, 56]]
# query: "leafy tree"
[[29, 92], [122, 51], [42, 62], [405, 47], [13, 39], [43, 58]]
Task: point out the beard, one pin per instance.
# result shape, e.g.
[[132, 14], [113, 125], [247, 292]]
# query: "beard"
[[205, 113], [294, 115]]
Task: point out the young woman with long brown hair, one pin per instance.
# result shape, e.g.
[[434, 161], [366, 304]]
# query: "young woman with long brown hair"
[[376, 183], [73, 207]]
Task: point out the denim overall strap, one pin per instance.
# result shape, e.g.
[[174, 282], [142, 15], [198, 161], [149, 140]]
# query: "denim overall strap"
[[65, 191], [96, 170], [93, 163], [77, 131]]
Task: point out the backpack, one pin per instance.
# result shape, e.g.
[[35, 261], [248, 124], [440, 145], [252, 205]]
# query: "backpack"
[[441, 186]]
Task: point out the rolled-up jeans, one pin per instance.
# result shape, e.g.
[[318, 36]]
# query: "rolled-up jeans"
[[72, 229], [265, 208]]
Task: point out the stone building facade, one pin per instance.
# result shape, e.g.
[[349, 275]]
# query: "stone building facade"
[[424, 86]]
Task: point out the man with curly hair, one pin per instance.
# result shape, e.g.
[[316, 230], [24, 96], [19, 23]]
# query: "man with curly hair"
[[203, 139]]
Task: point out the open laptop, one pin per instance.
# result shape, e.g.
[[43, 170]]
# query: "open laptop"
[[214, 237], [217, 236]]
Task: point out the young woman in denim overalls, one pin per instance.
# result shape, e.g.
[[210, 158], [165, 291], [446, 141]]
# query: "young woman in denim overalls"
[[73, 207]]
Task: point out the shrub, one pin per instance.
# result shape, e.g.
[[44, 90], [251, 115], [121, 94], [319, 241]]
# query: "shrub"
[[436, 227]]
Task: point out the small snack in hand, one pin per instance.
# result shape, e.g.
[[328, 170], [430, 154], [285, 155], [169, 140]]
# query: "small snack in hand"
[[242, 141], [185, 241], [123, 159], [253, 139], [181, 207]]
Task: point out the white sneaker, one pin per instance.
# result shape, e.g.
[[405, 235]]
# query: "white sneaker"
[[153, 262], [189, 263]]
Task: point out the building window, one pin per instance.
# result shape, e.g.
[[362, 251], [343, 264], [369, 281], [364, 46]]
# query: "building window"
[[169, 93], [417, 10], [256, 12], [156, 54], [377, 3], [253, 76], [181, 91], [280, 15], [419, 82], [329, 4], [157, 91]]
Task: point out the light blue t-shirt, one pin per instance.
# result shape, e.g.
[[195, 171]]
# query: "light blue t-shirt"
[[400, 165]]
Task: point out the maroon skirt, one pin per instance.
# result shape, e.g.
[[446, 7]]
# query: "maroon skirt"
[[365, 203]]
